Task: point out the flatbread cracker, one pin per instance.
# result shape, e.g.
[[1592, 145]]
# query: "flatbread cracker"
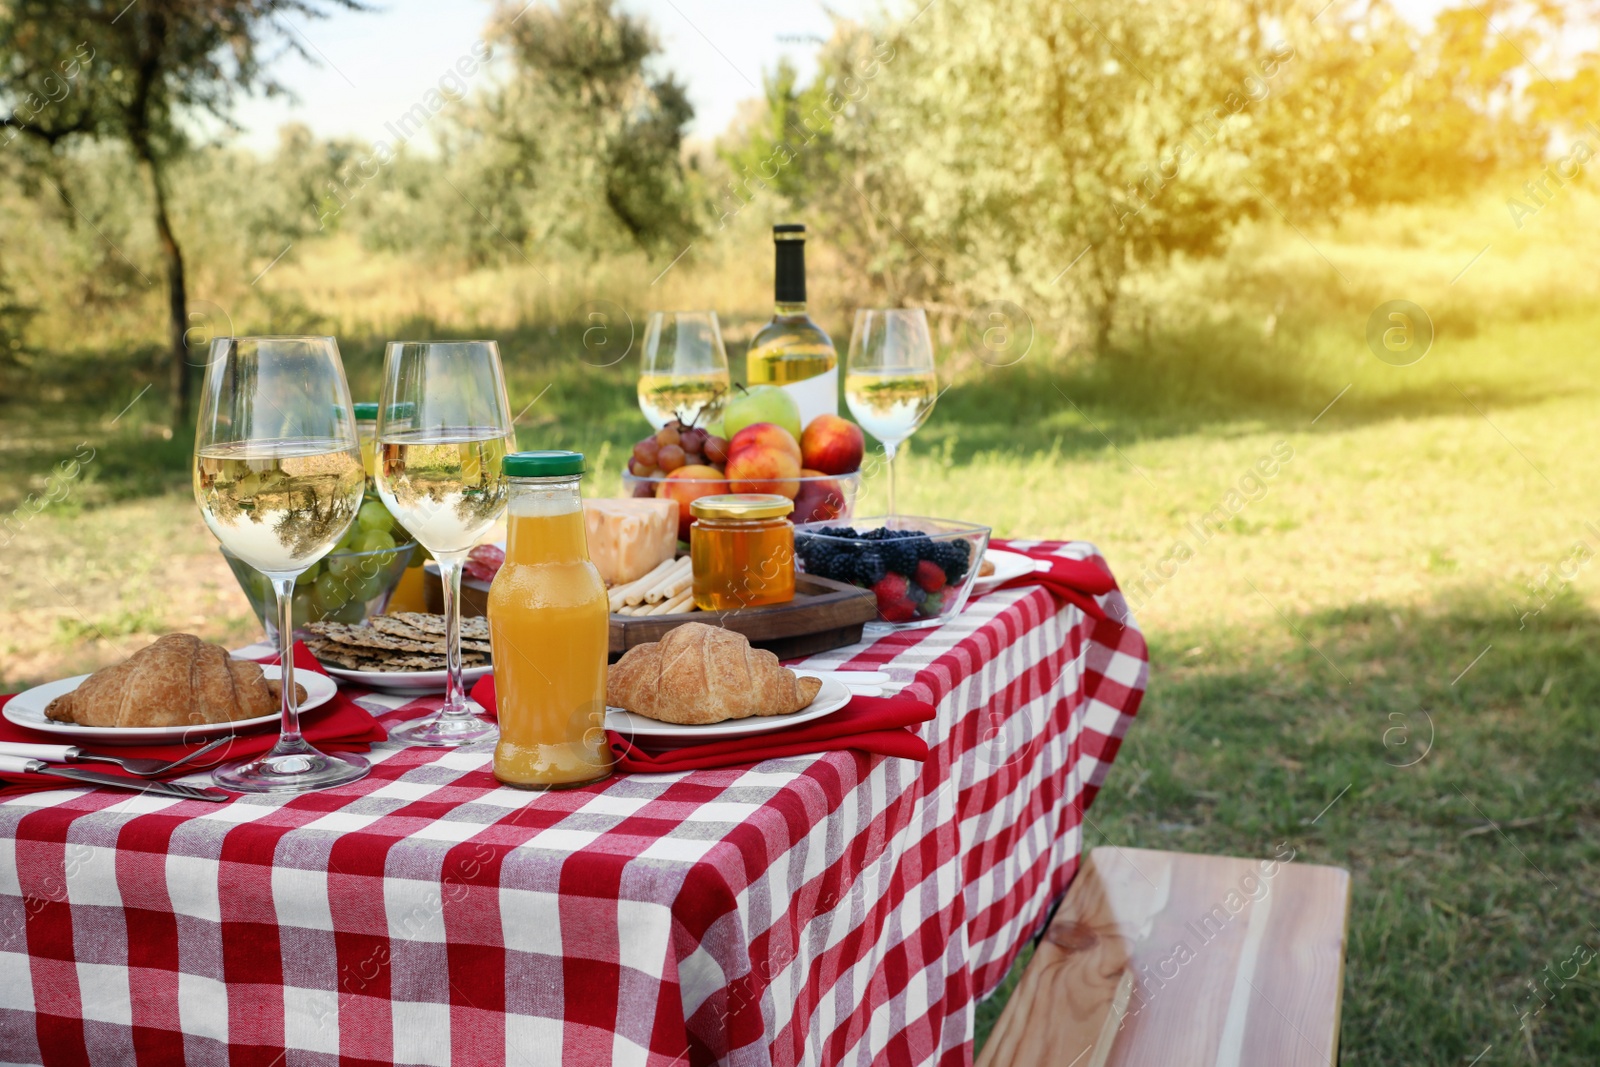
[[412, 623], [407, 641]]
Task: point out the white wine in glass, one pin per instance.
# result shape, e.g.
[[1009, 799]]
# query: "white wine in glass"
[[889, 382], [278, 477], [444, 426], [685, 374]]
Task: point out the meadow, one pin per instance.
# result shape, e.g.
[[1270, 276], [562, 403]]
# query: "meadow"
[[1379, 654]]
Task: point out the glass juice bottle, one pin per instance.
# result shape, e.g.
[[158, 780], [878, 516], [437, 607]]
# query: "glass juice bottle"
[[548, 632], [792, 351]]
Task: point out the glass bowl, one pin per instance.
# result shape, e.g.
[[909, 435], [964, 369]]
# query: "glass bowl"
[[921, 576], [342, 587], [824, 498]]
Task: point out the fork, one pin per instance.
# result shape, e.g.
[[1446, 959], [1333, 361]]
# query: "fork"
[[143, 768]]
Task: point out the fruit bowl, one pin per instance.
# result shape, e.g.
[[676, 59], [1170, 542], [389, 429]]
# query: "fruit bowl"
[[920, 569], [344, 586], [824, 498]]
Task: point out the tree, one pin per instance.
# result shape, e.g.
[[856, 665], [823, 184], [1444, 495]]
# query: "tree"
[[586, 119], [132, 74]]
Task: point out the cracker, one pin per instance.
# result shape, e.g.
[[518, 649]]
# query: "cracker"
[[476, 627], [393, 643], [366, 637]]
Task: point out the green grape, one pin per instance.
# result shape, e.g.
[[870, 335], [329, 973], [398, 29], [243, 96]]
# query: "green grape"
[[374, 516], [332, 593], [352, 613], [302, 609], [373, 540], [343, 566], [260, 588], [309, 575], [367, 588], [348, 538]]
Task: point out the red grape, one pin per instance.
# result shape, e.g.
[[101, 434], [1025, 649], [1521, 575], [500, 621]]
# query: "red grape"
[[646, 451], [716, 450], [694, 440], [668, 435], [671, 458], [693, 459]]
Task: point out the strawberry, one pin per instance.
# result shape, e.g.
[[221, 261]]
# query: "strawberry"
[[890, 587], [929, 576], [900, 609]]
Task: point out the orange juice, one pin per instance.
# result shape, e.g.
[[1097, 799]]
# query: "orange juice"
[[548, 631]]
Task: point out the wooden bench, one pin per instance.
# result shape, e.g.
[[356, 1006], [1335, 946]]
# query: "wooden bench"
[[1160, 959]]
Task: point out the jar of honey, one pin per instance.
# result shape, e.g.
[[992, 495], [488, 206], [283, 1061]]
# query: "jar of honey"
[[742, 549]]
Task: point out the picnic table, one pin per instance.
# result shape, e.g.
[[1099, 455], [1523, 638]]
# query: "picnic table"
[[833, 908]]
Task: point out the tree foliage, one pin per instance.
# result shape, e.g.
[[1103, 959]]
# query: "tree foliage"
[[580, 148], [1040, 152], [134, 74]]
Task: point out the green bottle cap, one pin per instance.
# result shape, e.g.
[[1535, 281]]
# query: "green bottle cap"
[[548, 464], [367, 412]]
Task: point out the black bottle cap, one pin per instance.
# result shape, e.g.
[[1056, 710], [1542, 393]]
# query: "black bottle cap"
[[790, 274]]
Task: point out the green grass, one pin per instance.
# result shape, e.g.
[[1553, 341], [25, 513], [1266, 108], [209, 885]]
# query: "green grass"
[[1394, 581]]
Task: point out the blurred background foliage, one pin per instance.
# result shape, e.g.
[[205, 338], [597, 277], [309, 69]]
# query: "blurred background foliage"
[[1064, 157]]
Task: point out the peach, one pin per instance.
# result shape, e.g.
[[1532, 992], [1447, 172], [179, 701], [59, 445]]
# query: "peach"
[[818, 501], [765, 435], [688, 484], [760, 469], [832, 445]]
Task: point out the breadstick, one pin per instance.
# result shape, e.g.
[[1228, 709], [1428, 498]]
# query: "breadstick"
[[617, 595], [658, 592], [673, 583], [673, 606], [643, 582]]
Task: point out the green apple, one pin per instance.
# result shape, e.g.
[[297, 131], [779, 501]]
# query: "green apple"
[[761, 403]]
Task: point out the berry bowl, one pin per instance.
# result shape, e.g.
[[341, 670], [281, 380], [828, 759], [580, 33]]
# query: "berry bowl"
[[920, 569], [817, 498]]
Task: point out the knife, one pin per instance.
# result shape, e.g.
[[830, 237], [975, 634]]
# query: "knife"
[[23, 765]]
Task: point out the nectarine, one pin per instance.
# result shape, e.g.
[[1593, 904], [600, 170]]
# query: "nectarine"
[[818, 501], [764, 435], [761, 469], [688, 484], [832, 445]]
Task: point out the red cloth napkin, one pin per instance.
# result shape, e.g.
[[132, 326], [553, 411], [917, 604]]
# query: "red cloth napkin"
[[1077, 581], [881, 725], [340, 725]]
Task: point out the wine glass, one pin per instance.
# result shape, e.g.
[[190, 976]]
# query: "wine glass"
[[278, 477], [889, 381], [444, 425], [685, 373]]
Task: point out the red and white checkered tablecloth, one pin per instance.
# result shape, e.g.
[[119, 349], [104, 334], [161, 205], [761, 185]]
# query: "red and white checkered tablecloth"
[[839, 909]]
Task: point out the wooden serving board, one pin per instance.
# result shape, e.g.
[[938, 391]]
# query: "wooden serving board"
[[824, 614]]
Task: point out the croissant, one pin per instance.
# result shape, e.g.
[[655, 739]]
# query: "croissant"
[[179, 680], [699, 674]]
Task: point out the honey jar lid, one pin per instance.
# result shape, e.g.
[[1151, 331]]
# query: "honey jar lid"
[[741, 506]]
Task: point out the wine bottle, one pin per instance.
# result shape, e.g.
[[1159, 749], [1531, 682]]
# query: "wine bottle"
[[791, 351]]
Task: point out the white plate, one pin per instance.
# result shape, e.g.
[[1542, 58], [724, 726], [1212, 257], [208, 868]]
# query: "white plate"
[[408, 681], [830, 698], [27, 709], [1007, 565]]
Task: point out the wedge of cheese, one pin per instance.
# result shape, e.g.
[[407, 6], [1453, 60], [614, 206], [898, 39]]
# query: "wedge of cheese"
[[628, 537]]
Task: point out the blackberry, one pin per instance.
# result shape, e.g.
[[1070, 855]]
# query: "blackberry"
[[898, 556], [869, 567], [955, 557], [818, 555]]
